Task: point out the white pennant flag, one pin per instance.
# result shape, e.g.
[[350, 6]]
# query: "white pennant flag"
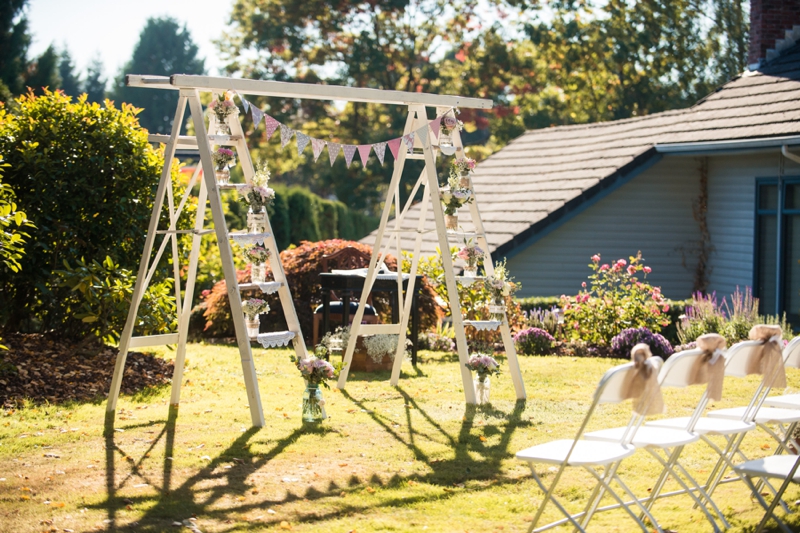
[[317, 145], [422, 133], [302, 142], [333, 151], [245, 103], [380, 151], [349, 152], [286, 135]]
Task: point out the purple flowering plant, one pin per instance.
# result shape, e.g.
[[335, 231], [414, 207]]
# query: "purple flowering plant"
[[622, 344], [533, 341]]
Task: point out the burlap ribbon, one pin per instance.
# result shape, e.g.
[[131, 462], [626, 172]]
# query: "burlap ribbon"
[[710, 368], [641, 383], [768, 359]]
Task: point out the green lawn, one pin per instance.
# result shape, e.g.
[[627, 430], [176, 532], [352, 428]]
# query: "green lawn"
[[411, 458]]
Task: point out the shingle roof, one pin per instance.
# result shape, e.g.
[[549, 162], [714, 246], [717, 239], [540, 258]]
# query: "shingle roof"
[[543, 174]]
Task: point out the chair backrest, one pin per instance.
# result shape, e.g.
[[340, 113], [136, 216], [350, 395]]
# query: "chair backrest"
[[791, 354], [677, 370], [609, 389], [347, 258], [738, 356]]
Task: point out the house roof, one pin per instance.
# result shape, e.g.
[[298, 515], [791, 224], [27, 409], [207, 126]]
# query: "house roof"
[[546, 174]]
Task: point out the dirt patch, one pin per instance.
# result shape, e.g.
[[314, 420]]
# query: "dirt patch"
[[44, 369]]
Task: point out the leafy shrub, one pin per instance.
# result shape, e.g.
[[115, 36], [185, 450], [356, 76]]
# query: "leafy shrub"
[[302, 266], [85, 175], [622, 344], [533, 341], [441, 339], [733, 321], [616, 300], [100, 297], [12, 222]]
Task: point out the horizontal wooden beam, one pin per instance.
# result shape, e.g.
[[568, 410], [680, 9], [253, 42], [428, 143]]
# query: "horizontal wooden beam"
[[306, 91]]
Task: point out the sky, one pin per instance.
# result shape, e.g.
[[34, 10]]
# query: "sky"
[[110, 28]]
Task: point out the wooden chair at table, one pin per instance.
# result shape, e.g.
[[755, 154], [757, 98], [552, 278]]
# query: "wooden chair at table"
[[348, 258]]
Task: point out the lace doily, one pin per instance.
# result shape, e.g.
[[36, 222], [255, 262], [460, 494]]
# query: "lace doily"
[[483, 324], [277, 338], [249, 238]]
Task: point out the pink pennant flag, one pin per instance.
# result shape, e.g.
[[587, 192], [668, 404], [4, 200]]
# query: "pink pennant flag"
[[333, 151], [435, 125], [317, 145], [422, 134], [409, 140], [257, 115], [363, 152], [394, 146], [286, 135], [380, 151], [349, 152], [271, 125], [302, 142]]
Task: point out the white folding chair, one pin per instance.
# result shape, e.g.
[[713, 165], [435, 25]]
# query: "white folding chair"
[[776, 466], [733, 430], [676, 372], [791, 359], [589, 455]]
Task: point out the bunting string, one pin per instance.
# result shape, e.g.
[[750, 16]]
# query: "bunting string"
[[421, 136]]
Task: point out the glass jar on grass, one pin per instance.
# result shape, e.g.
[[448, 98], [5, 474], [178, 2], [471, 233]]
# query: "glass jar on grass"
[[315, 372], [482, 389], [313, 404], [484, 366]]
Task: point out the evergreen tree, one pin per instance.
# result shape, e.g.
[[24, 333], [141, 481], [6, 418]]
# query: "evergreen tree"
[[44, 72], [95, 84], [165, 48], [70, 84], [14, 42]]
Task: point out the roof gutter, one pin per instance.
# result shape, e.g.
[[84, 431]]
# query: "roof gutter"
[[739, 145]]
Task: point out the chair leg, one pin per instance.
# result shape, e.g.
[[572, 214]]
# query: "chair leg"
[[548, 496], [619, 500]]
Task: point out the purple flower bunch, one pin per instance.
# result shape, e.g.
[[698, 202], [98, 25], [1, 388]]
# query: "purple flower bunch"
[[533, 341], [622, 343], [315, 370], [222, 156], [484, 365]]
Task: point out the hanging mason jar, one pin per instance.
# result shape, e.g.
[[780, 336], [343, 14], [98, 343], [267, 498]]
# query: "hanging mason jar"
[[222, 127], [446, 145], [313, 404], [464, 181], [481, 389], [257, 220], [471, 271], [252, 324], [223, 175], [258, 272], [451, 222]]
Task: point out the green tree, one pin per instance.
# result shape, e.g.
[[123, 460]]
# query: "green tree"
[[85, 176], [95, 84], [44, 72], [164, 48], [14, 43], [70, 83]]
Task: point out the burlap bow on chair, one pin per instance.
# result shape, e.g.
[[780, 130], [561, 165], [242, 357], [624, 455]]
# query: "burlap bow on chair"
[[768, 359], [711, 367], [642, 383]]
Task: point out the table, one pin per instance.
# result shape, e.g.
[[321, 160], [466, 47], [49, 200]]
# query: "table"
[[346, 283]]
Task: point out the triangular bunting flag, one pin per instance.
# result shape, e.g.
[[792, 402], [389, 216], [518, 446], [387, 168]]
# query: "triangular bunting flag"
[[271, 125], [302, 142], [409, 140], [422, 133], [257, 115], [333, 151], [435, 125], [394, 146], [349, 152], [317, 145], [380, 151], [245, 103], [286, 135], [363, 151]]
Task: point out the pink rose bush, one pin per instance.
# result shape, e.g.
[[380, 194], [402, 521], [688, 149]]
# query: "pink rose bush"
[[615, 300]]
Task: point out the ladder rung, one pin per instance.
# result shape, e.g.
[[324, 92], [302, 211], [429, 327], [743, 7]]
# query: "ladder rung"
[[410, 230], [267, 287], [191, 141], [375, 329], [153, 340], [466, 281], [418, 157], [464, 235], [249, 238], [185, 231], [230, 186]]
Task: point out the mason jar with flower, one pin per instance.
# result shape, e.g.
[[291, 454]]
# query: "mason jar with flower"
[[220, 108], [449, 125], [257, 256], [315, 372], [223, 159], [452, 198], [500, 287], [484, 366], [471, 254], [252, 308], [461, 168]]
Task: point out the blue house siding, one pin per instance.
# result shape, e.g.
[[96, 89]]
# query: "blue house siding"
[[652, 213]]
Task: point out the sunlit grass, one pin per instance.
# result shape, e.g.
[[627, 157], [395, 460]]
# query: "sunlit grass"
[[411, 458]]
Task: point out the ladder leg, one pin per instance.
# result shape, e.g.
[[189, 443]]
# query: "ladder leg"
[[234, 298], [183, 321], [139, 288]]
